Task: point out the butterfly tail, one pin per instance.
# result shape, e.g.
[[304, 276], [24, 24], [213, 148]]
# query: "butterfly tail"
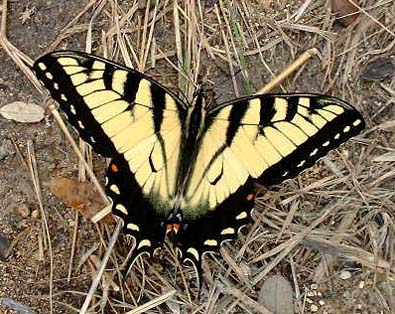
[[190, 259]]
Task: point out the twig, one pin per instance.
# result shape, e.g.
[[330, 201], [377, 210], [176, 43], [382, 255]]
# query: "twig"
[[288, 246], [73, 244], [34, 175], [288, 71], [102, 267], [227, 49], [153, 303]]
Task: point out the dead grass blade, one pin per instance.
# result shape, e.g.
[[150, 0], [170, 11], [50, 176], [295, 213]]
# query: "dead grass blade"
[[46, 234]]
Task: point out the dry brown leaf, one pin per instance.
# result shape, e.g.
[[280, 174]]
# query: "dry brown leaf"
[[80, 195], [345, 11], [22, 112]]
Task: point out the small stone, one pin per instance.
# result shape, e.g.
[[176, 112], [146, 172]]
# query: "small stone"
[[310, 301], [311, 293], [345, 274], [4, 243], [246, 269], [6, 149], [276, 295], [314, 308], [35, 214], [314, 286], [361, 284], [321, 302], [24, 211], [16, 306], [379, 69], [347, 294]]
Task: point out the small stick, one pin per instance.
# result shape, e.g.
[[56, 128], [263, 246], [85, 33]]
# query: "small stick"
[[288, 246], [153, 303], [32, 163], [296, 284], [103, 264], [303, 58], [3, 29], [73, 244]]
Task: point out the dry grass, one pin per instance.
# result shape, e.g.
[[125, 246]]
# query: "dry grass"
[[306, 229]]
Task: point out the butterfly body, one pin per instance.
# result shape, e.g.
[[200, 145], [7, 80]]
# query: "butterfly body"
[[187, 171]]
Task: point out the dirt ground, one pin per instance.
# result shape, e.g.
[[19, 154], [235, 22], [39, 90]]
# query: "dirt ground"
[[343, 264]]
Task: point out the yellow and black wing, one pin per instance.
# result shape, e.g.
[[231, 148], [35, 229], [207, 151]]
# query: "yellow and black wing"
[[205, 187], [263, 138], [128, 117]]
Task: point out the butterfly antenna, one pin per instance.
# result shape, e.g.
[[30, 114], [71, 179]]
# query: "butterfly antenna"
[[206, 87], [228, 78]]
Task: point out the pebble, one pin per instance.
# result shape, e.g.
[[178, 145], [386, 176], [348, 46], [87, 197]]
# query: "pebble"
[[276, 295], [310, 301], [4, 243], [321, 302], [345, 274], [24, 211], [379, 69], [361, 284], [6, 149], [35, 214], [314, 286], [16, 306], [314, 308]]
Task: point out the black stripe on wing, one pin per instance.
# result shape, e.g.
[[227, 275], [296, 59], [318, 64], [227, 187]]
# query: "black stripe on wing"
[[60, 83], [72, 103], [313, 149], [290, 131]]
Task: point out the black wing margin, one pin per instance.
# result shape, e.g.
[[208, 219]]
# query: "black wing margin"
[[82, 83], [283, 135]]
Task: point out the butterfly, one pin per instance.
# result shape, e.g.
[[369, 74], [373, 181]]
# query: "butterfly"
[[184, 171]]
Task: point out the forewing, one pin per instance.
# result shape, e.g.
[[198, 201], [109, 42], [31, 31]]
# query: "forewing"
[[130, 118], [270, 138]]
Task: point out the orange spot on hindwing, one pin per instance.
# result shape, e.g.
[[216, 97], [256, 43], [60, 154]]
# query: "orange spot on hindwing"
[[114, 168], [250, 197]]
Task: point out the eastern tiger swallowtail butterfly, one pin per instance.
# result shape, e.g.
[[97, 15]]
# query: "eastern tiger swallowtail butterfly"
[[182, 170]]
